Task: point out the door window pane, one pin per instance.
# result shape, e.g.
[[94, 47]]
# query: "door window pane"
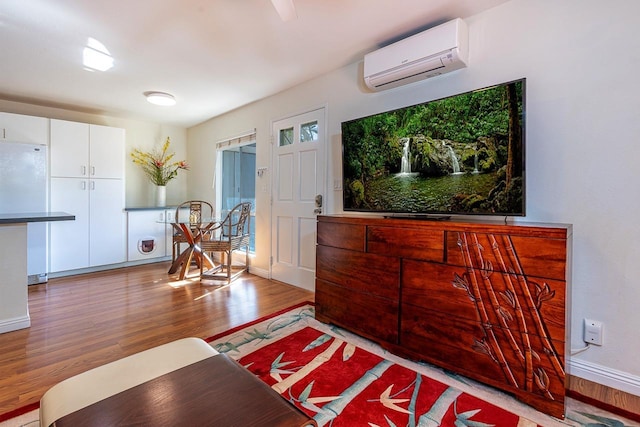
[[286, 137], [309, 132]]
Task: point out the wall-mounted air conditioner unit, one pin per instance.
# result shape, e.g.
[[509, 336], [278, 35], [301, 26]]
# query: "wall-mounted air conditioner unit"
[[430, 53]]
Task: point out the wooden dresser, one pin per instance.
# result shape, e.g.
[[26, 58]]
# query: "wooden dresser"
[[488, 300]]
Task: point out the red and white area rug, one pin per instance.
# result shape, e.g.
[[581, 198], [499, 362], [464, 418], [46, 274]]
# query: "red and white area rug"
[[340, 379]]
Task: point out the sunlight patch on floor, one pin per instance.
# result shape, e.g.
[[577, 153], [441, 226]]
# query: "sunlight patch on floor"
[[181, 283]]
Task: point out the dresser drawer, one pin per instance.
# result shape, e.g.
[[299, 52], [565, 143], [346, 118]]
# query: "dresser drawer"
[[415, 243], [359, 271], [531, 256], [446, 342], [364, 313], [340, 235]]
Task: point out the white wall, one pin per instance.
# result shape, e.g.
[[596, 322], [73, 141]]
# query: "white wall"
[[580, 58], [139, 134]]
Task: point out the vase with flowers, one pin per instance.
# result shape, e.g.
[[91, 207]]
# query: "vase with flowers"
[[159, 168]]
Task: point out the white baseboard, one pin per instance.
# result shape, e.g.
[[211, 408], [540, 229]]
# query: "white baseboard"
[[259, 272], [606, 376], [8, 325]]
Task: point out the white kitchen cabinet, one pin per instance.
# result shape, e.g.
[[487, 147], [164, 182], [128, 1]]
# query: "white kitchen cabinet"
[[87, 180], [69, 149], [147, 234], [21, 128], [151, 225], [82, 150], [96, 237], [107, 229], [104, 142]]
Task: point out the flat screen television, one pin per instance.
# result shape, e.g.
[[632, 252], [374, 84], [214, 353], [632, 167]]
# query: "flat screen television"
[[460, 155]]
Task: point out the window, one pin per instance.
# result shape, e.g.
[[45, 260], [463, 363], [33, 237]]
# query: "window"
[[286, 136], [237, 182], [309, 132]]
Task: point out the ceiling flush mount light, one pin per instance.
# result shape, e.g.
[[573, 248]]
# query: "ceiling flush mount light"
[[160, 98], [96, 57]]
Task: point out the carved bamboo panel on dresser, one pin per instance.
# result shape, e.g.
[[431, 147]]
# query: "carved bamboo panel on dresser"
[[485, 299], [509, 326]]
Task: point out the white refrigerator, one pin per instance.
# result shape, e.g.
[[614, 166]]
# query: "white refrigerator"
[[23, 188]]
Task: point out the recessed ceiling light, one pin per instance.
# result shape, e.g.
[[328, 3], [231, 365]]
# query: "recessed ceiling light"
[[160, 98]]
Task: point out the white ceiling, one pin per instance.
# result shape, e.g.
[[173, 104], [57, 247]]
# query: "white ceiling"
[[212, 55]]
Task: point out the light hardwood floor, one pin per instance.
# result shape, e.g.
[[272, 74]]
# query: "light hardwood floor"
[[80, 322]]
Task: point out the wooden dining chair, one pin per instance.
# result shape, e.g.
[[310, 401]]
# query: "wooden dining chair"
[[193, 211], [231, 234]]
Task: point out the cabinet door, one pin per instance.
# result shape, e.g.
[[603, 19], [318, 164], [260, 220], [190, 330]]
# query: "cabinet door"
[[146, 234], [69, 149], [107, 222], [21, 128], [69, 243], [106, 151]]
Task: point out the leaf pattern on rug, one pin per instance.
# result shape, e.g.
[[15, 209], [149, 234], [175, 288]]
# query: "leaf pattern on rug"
[[276, 365], [349, 350], [310, 402], [601, 421], [389, 402], [269, 332], [318, 342], [464, 419]]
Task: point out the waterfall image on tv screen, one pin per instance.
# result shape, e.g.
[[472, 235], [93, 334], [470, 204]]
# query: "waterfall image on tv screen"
[[463, 154]]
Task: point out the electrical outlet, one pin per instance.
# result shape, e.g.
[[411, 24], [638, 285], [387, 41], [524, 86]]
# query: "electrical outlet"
[[593, 332]]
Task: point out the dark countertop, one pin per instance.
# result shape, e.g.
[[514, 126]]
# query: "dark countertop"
[[20, 217]]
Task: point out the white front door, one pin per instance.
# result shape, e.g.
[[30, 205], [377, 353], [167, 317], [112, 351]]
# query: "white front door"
[[298, 189]]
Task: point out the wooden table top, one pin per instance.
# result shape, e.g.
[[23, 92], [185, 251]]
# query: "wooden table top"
[[216, 391]]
